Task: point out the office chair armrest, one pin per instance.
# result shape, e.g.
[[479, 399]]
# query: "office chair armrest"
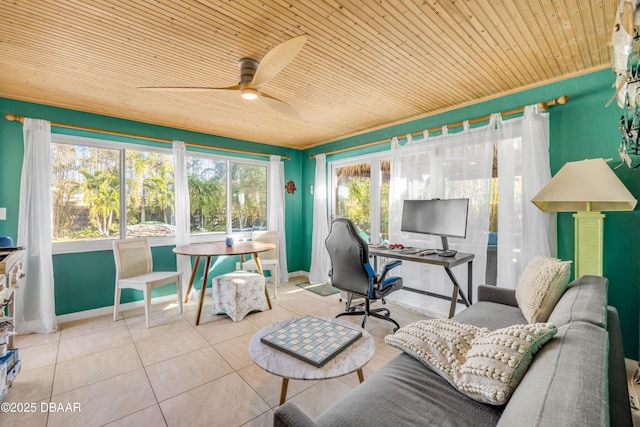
[[388, 266]]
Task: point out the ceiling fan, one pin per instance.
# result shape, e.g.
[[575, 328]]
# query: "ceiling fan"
[[254, 74]]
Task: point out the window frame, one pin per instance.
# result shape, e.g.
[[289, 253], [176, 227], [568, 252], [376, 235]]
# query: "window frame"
[[221, 235], [93, 245]]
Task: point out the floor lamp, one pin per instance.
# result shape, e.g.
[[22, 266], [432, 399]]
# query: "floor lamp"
[[587, 187]]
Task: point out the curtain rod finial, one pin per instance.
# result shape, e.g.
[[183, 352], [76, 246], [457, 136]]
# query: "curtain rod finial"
[[556, 101], [11, 117]]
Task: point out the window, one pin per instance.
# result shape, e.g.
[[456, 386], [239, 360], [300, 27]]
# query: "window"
[[227, 196], [90, 207], [207, 194], [361, 193], [249, 197], [150, 194], [85, 192], [87, 201]]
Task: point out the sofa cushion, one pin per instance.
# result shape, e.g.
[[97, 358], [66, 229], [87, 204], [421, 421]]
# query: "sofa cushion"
[[566, 384], [541, 285], [405, 392], [486, 366], [584, 300], [491, 315]]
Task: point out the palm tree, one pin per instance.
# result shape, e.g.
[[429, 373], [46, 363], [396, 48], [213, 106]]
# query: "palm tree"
[[136, 192], [101, 192], [161, 194]]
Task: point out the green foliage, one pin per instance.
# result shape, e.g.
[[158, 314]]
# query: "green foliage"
[[86, 191], [356, 206], [249, 203], [101, 193]]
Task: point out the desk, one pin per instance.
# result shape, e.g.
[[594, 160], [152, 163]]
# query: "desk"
[[212, 249], [446, 262]]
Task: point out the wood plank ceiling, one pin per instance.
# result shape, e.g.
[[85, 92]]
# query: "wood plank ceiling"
[[367, 63]]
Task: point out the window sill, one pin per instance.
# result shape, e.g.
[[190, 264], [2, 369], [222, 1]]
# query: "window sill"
[[97, 245]]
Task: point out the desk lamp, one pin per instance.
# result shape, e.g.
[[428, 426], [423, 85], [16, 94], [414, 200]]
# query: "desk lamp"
[[586, 187]]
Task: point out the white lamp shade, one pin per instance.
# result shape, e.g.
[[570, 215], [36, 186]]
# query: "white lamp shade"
[[578, 183]]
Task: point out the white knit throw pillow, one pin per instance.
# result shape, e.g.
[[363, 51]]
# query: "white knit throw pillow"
[[484, 365], [441, 344], [498, 360], [542, 284]]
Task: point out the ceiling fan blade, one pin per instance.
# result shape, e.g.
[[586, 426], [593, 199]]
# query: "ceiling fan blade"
[[188, 88], [277, 59], [280, 106]]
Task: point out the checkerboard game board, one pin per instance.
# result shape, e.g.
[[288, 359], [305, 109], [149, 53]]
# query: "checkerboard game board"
[[312, 339]]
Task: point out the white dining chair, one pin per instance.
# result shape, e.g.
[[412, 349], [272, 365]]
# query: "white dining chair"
[[134, 270], [268, 259]]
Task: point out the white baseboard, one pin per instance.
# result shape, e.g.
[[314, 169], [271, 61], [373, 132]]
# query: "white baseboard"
[[299, 273], [86, 314]]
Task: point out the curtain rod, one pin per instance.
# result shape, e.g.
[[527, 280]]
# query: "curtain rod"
[[544, 105], [13, 117]]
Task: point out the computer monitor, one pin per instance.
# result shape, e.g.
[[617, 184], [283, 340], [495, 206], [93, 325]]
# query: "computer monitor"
[[439, 217]]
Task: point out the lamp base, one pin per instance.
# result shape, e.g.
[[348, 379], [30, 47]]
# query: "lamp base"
[[589, 237]]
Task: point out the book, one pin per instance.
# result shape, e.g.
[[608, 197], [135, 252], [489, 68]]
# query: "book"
[[312, 339]]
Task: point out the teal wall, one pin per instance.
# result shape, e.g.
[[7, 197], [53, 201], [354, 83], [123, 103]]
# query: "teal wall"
[[582, 128], [85, 281]]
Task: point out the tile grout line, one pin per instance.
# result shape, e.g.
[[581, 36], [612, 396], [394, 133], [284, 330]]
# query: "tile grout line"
[[316, 306], [55, 371], [146, 374]]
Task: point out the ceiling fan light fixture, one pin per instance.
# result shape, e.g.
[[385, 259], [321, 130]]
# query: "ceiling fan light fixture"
[[249, 93]]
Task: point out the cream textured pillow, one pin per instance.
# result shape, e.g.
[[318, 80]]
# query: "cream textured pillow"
[[486, 366], [498, 360], [441, 344], [542, 284]]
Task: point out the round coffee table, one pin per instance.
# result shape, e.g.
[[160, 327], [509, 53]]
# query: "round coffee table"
[[353, 358]]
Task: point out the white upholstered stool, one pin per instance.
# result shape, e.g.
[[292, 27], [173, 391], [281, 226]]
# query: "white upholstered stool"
[[238, 293]]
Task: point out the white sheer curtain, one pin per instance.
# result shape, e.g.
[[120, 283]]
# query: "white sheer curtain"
[[35, 302], [275, 212], [448, 166], [183, 211], [320, 261], [523, 169]]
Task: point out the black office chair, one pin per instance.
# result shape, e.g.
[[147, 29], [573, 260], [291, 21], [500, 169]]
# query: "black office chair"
[[352, 272]]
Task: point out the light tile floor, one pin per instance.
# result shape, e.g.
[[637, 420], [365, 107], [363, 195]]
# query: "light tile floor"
[[174, 373]]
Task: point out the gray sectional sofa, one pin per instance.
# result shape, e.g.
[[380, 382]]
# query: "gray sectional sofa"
[[577, 379]]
